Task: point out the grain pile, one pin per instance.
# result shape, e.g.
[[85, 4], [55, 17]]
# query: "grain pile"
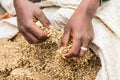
[[22, 61]]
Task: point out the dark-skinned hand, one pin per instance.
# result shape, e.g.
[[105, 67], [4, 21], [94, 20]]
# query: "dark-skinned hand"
[[80, 28], [27, 13]]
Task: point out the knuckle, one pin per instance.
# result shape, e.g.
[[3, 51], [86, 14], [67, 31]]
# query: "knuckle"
[[77, 37], [27, 26], [87, 38], [39, 13]]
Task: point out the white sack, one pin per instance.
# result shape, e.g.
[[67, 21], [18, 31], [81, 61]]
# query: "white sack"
[[106, 24]]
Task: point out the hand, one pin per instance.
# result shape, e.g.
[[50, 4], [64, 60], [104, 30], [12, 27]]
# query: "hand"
[[80, 28], [27, 12]]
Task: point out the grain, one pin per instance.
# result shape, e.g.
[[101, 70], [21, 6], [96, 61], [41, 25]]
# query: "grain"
[[22, 61]]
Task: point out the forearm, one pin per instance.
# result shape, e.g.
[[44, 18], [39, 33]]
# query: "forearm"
[[35, 1], [88, 7], [17, 1]]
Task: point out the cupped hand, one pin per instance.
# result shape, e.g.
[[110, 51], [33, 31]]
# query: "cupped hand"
[[80, 29], [27, 13]]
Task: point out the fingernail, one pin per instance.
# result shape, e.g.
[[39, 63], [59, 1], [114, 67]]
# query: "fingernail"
[[64, 56], [51, 27]]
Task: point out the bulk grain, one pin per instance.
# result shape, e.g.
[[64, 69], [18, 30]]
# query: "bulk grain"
[[22, 61]]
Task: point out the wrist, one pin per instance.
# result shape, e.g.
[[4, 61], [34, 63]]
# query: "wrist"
[[16, 2], [35, 1], [88, 7]]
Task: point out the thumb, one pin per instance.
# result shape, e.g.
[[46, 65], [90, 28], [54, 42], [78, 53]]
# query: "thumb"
[[43, 19], [65, 38]]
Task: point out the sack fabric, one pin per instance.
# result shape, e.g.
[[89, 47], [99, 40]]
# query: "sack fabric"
[[106, 24]]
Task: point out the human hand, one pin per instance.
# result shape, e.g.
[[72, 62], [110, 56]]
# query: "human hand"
[[27, 13], [80, 28]]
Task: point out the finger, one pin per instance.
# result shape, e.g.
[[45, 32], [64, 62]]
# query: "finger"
[[84, 45], [68, 55], [66, 36], [43, 19], [37, 32], [28, 36], [28, 39], [74, 52]]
